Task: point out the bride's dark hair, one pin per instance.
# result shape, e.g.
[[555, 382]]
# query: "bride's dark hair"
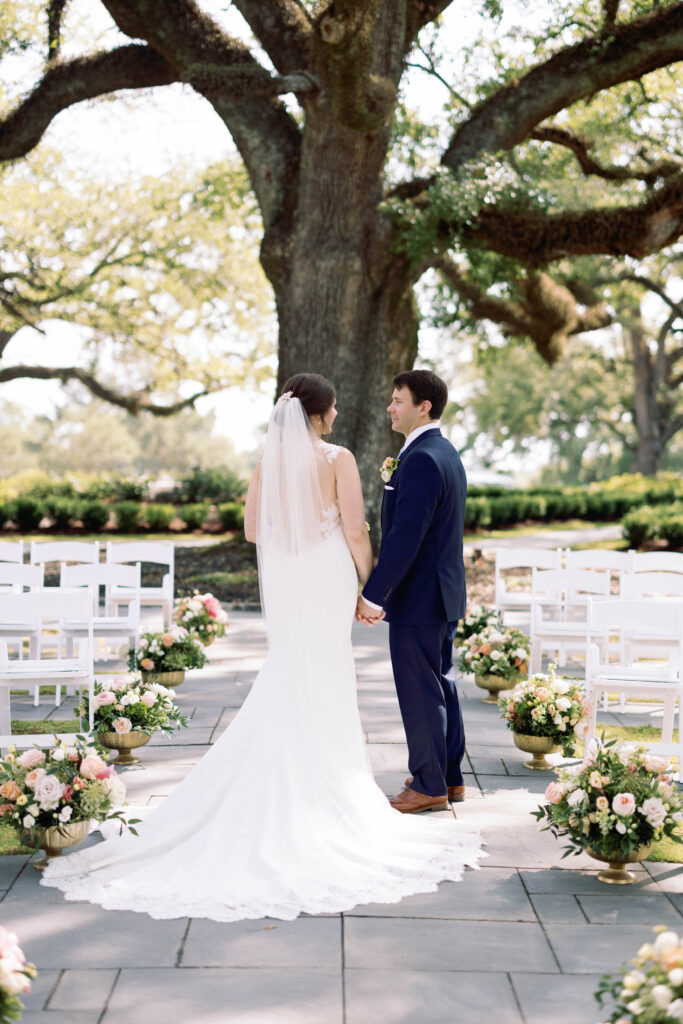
[[316, 393]]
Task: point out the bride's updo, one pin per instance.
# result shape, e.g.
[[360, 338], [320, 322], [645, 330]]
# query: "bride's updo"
[[316, 394]]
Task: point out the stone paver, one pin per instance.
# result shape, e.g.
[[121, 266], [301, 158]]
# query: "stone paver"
[[522, 940]]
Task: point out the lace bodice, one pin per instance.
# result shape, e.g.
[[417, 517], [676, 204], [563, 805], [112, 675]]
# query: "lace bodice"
[[330, 521], [330, 451]]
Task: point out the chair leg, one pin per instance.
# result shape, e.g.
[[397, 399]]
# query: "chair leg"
[[36, 696], [535, 657]]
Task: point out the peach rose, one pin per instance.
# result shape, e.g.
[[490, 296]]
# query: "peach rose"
[[30, 758], [167, 640], [147, 664], [602, 803], [485, 648], [10, 790], [104, 698], [91, 765], [6, 809], [34, 777], [122, 725], [540, 693], [624, 804], [148, 699], [554, 792]]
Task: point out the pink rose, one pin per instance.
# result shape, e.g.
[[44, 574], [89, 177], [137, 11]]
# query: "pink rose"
[[147, 664], [104, 698], [602, 803], [554, 792], [106, 772], [540, 693], [148, 699], [48, 792], [6, 809], [212, 607], [168, 640], [624, 804], [581, 731], [32, 777], [122, 725], [91, 765], [30, 758]]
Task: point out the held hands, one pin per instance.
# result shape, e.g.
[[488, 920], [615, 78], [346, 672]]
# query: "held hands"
[[366, 614]]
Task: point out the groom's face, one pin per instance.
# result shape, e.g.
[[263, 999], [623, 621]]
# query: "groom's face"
[[405, 415]]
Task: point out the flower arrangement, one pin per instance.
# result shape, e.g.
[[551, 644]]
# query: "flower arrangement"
[[15, 976], [47, 788], [545, 705], [477, 617], [388, 468], [130, 704], [202, 615], [497, 651], [651, 990], [174, 650], [620, 799]]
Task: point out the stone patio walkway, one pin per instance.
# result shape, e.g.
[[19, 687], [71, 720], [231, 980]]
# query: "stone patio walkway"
[[524, 939]]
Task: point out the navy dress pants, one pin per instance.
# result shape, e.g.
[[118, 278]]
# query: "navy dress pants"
[[422, 659]]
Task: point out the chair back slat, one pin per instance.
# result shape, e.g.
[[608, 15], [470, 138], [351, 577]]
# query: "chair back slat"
[[64, 551], [11, 551], [16, 576]]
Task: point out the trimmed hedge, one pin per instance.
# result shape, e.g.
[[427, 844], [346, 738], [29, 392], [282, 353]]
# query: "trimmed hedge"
[[194, 516], [94, 515], [664, 523], [231, 515], [128, 515], [159, 517]]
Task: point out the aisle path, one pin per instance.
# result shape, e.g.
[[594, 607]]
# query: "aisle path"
[[521, 941]]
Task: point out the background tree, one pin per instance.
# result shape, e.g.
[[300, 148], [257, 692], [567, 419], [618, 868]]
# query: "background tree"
[[160, 279], [343, 244]]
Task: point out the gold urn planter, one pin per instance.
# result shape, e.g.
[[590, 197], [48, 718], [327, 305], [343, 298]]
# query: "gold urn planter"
[[615, 873], [56, 838], [494, 684], [538, 747], [171, 680], [125, 743]]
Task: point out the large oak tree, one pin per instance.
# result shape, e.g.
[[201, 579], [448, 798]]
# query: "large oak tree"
[[334, 250]]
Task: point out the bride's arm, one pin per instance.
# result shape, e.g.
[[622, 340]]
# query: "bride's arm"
[[251, 506], [352, 510]]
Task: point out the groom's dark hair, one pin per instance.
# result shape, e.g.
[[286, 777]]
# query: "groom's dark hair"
[[424, 386]]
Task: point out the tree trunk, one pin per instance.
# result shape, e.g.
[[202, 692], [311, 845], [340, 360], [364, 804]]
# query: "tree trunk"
[[345, 298], [650, 445]]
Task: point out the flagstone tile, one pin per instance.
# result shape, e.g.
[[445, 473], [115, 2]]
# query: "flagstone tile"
[[669, 876], [568, 880], [587, 948], [310, 942], [560, 999], [557, 907], [226, 996], [83, 990], [398, 944], [389, 997], [640, 908]]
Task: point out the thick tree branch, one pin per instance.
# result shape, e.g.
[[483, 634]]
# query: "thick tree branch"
[[654, 286], [55, 9], [282, 29], [580, 147], [673, 427], [267, 137], [537, 238], [134, 403], [68, 82], [511, 113], [548, 313], [421, 13]]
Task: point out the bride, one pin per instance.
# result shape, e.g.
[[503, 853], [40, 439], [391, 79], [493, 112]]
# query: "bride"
[[282, 815]]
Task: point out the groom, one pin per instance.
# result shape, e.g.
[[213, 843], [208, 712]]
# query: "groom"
[[419, 585]]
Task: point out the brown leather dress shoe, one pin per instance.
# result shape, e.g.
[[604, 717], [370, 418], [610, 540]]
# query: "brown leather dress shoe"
[[456, 794], [412, 802]]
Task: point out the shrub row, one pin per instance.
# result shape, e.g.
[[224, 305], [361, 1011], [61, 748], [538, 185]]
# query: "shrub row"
[[28, 511], [658, 522], [200, 485]]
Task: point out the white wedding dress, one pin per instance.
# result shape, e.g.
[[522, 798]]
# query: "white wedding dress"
[[282, 815]]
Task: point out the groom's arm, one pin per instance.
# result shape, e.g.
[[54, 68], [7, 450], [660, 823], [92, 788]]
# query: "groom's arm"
[[417, 498]]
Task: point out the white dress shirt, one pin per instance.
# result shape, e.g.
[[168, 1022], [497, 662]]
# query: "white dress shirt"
[[432, 425]]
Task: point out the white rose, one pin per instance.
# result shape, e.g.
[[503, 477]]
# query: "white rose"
[[65, 814], [666, 942], [520, 653], [675, 1009], [58, 754], [633, 980], [33, 809], [563, 704], [675, 976], [11, 980], [561, 686], [496, 637], [578, 798], [496, 655], [662, 996], [634, 1007], [48, 792], [28, 821], [654, 810], [116, 788], [621, 828]]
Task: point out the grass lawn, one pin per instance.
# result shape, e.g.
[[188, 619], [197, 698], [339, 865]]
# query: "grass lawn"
[[42, 725], [530, 528]]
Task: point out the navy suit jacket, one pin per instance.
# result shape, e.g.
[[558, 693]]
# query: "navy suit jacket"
[[420, 573]]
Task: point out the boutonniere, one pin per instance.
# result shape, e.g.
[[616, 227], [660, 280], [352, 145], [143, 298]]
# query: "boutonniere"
[[388, 468]]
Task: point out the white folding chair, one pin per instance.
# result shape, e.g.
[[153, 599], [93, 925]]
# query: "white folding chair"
[[155, 552], [618, 562], [559, 600], [656, 561], [45, 606], [632, 675], [520, 558], [126, 580], [16, 577], [11, 551], [64, 551]]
